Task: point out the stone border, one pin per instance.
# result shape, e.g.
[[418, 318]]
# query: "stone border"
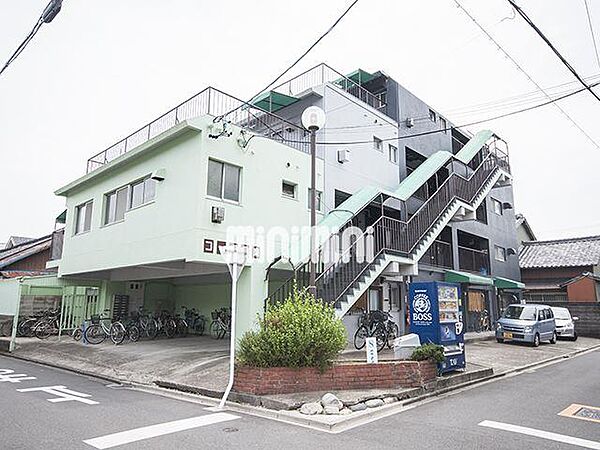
[[342, 376]]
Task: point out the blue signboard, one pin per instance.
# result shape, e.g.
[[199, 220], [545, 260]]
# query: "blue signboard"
[[436, 317]]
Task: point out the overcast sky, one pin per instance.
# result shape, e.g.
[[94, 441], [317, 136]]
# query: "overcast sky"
[[102, 69]]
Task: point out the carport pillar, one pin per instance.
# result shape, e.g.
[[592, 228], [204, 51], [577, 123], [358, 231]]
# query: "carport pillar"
[[235, 263]]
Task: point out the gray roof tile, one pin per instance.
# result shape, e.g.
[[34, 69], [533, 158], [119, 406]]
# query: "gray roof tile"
[[574, 252]]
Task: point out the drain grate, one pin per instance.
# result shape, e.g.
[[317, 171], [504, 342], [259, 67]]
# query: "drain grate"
[[589, 413], [582, 412]]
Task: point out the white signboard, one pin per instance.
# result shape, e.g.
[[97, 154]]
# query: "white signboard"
[[371, 350]]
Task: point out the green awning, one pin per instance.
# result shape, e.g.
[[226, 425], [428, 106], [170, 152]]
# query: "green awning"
[[454, 276], [507, 283], [272, 101], [62, 218]]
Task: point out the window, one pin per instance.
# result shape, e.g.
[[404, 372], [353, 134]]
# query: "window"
[[223, 181], [443, 124], [288, 189], [83, 217], [393, 153], [432, 115], [481, 212], [500, 253], [318, 200], [377, 144], [115, 205], [497, 206], [142, 192]]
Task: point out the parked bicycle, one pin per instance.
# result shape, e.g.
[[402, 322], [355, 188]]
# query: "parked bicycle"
[[376, 324], [47, 325], [195, 321], [221, 323], [104, 326]]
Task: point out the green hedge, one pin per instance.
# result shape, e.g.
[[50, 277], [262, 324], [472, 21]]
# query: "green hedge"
[[299, 332], [426, 352]]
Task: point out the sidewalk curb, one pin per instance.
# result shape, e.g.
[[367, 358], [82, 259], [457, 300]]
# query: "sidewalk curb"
[[176, 391]]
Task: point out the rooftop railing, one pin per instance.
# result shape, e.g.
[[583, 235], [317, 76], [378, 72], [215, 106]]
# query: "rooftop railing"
[[322, 74], [213, 102]]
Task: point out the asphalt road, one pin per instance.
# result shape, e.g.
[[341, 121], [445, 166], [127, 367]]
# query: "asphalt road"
[[29, 420]]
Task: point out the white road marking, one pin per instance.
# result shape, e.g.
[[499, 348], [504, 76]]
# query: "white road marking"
[[542, 434], [63, 394], [138, 434], [12, 377]]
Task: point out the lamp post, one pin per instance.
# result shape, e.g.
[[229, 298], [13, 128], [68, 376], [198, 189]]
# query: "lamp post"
[[313, 119]]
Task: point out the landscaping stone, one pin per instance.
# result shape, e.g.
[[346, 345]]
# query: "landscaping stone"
[[331, 410], [345, 412], [312, 408], [358, 407], [374, 403], [388, 400], [330, 399]]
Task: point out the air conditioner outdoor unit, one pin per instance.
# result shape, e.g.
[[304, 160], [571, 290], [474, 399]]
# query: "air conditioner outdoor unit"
[[506, 205], [410, 122], [218, 214], [343, 156]]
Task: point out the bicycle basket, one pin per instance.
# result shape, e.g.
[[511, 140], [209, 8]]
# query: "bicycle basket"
[[95, 319], [214, 315], [378, 316]]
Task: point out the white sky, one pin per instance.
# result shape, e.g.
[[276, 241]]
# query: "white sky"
[[102, 69]]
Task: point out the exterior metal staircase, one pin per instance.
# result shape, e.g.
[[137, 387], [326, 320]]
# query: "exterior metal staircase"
[[343, 279]]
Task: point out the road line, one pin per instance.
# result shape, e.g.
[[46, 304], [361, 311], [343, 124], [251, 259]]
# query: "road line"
[[541, 434], [138, 434]]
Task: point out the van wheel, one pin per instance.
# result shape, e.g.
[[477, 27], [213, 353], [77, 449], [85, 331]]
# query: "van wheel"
[[536, 340], [500, 341], [553, 340]]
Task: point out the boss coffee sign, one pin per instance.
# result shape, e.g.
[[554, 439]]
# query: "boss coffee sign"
[[421, 308]]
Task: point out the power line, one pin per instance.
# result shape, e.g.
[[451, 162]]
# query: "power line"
[[589, 17], [306, 52], [552, 47], [49, 13], [518, 66], [477, 122]]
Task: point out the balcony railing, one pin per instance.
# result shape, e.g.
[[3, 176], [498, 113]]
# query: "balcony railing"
[[439, 254], [216, 103], [473, 260], [322, 74]]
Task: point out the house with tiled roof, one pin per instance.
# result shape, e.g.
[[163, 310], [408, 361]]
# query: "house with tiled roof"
[[25, 257], [564, 270]]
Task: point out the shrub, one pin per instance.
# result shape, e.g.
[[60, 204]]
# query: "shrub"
[[299, 332], [431, 352]]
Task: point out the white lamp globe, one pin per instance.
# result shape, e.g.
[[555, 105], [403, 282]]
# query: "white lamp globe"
[[313, 118]]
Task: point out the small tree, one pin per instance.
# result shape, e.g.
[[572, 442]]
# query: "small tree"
[[299, 332]]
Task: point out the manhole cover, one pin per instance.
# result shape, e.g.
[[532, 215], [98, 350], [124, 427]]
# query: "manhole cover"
[[582, 412]]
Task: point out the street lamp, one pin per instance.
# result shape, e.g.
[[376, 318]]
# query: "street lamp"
[[313, 119]]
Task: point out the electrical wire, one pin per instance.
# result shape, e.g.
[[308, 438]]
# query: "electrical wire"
[[589, 17], [301, 57], [518, 66], [477, 122], [49, 13], [566, 63]]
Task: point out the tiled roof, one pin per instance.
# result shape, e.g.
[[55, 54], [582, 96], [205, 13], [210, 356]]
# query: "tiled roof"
[[19, 252], [574, 252], [13, 241], [22, 273]]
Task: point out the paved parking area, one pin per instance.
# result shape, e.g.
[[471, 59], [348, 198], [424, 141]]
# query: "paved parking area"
[[194, 360], [508, 356]]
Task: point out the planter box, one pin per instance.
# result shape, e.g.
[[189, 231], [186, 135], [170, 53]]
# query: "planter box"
[[284, 380]]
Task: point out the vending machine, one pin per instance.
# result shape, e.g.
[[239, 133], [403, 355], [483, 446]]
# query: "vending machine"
[[436, 317]]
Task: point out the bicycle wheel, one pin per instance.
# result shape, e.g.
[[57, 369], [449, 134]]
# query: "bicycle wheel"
[[25, 328], [94, 334], [359, 337], [43, 330], [117, 333], [182, 327], [77, 334], [170, 328], [392, 334], [215, 329], [152, 329], [380, 335], [134, 333], [223, 331]]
